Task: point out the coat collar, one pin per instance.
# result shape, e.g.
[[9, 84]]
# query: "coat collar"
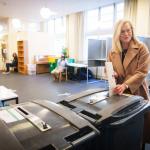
[[131, 53]]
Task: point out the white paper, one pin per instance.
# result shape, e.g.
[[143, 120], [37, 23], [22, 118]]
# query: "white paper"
[[111, 78], [6, 93]]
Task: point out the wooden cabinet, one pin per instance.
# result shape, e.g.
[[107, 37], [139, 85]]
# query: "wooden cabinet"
[[22, 56]]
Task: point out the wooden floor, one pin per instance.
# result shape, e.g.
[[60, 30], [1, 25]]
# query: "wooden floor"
[[42, 86]]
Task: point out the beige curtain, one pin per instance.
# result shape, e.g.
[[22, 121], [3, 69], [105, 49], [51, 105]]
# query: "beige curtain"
[[75, 35], [138, 12], [130, 10], [143, 18]]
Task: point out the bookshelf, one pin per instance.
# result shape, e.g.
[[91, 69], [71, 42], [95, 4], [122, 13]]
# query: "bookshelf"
[[22, 57]]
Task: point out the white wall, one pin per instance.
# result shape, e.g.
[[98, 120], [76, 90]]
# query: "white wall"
[[39, 43]]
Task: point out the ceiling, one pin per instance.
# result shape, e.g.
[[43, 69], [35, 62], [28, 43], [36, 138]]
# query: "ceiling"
[[30, 9]]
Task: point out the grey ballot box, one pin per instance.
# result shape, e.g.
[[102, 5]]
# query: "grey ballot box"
[[119, 118], [43, 125]]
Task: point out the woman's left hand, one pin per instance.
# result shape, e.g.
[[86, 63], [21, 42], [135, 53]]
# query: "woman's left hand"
[[120, 88]]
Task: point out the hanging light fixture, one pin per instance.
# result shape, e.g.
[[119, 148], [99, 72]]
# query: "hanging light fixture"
[[46, 13]]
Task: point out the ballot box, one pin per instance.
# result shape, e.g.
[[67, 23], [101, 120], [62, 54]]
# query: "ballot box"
[[43, 125], [120, 118]]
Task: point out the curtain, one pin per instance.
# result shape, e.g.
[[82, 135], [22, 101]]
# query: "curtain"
[[130, 10], [75, 35], [143, 18]]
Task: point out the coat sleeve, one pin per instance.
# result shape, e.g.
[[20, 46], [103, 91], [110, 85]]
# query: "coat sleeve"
[[136, 80]]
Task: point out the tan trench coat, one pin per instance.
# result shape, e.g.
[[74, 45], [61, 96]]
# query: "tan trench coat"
[[134, 68]]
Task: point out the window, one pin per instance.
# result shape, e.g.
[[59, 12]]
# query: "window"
[[100, 21], [57, 28], [92, 20], [51, 26], [60, 25], [33, 27], [119, 11], [106, 17]]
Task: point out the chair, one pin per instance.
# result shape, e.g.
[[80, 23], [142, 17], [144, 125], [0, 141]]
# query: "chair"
[[15, 69], [63, 74]]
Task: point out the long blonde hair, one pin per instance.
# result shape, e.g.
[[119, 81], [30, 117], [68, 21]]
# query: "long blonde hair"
[[116, 45]]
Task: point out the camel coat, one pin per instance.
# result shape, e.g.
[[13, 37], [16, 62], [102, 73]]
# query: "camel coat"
[[134, 68]]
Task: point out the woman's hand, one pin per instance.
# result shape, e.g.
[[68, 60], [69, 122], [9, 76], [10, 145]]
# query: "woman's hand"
[[120, 88]]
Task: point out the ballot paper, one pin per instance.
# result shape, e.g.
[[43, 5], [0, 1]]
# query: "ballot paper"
[[111, 78]]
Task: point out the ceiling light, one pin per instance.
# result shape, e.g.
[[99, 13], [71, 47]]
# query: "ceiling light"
[[16, 23], [46, 13]]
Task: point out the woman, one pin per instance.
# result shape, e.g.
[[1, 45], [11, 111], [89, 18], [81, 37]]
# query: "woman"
[[61, 64], [14, 63], [130, 59]]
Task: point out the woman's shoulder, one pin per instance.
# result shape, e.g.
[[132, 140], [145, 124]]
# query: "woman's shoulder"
[[112, 51], [139, 44], [142, 46]]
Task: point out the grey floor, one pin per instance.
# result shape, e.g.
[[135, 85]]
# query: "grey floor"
[[42, 86]]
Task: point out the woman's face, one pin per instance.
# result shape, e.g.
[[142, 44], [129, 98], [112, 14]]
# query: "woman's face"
[[14, 54], [126, 33]]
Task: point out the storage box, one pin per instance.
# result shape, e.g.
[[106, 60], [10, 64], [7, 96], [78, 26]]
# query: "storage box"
[[31, 69]]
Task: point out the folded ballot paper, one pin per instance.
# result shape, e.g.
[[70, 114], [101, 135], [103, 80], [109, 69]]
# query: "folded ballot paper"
[[111, 78]]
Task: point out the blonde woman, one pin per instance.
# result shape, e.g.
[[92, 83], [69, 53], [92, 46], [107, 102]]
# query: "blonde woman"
[[130, 59]]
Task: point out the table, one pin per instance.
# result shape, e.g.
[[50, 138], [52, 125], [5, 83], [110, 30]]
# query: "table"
[[91, 63], [7, 95], [78, 65]]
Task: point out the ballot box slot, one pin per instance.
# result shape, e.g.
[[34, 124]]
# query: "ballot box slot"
[[79, 136], [91, 115], [65, 103], [129, 110], [23, 111]]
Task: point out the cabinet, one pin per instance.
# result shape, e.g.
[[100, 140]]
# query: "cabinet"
[[22, 56]]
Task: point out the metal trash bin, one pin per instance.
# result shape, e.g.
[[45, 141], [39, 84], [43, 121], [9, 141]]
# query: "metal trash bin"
[[119, 118], [43, 125]]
